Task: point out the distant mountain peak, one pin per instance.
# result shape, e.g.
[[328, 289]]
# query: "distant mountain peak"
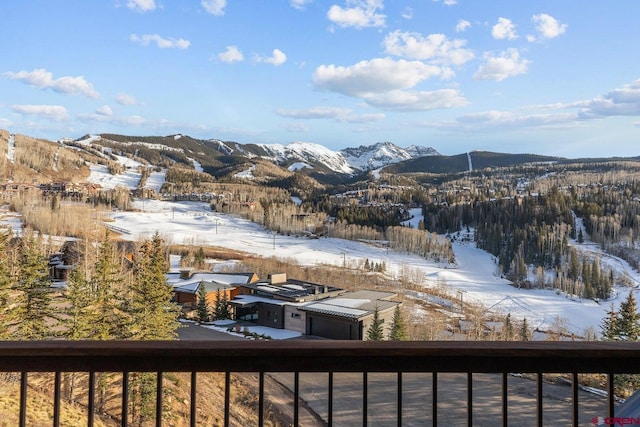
[[368, 157]]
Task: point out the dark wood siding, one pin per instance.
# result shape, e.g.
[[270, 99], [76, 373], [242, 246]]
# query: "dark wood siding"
[[333, 328]]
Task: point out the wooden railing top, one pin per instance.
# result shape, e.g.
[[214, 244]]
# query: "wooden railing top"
[[319, 356]]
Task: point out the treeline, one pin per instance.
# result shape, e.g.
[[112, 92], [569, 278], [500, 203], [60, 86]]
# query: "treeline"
[[108, 297], [379, 216], [611, 217], [524, 232]]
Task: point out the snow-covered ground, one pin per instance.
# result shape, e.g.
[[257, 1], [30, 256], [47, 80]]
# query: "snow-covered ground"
[[11, 151], [155, 180]]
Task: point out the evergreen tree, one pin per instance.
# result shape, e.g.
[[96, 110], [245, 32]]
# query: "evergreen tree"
[[153, 313], [154, 316], [199, 258], [623, 326], [628, 325], [33, 312], [222, 307], [203, 306], [80, 297], [610, 326], [525, 333], [398, 327], [6, 285], [105, 316], [375, 332], [508, 328]]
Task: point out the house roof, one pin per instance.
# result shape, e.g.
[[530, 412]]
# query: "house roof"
[[245, 300], [174, 279], [293, 290], [193, 287], [353, 305]]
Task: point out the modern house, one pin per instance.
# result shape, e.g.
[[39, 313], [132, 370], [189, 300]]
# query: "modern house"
[[313, 309], [349, 316], [270, 303], [186, 286]]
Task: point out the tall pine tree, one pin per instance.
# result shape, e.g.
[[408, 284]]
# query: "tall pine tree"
[[375, 332], [105, 316], [628, 327], [398, 327], [203, 307], [609, 325], [32, 316], [153, 313], [6, 286]]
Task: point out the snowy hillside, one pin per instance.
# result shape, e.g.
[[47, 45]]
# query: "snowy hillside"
[[307, 152]]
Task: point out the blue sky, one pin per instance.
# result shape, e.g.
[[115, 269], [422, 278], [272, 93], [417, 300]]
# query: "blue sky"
[[545, 76]]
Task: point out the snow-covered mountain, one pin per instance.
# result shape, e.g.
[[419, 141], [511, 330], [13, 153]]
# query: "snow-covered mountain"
[[381, 154], [309, 153], [224, 156], [346, 161]]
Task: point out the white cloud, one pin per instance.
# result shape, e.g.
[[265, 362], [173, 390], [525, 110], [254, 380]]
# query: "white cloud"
[[231, 54], [116, 120], [126, 99], [374, 76], [161, 42], [619, 102], [384, 83], [507, 64], [51, 112], [277, 58], [624, 101], [548, 27], [434, 47], [400, 100], [447, 2], [44, 79], [105, 110], [5, 123], [339, 114], [509, 119], [462, 25], [214, 7], [314, 113], [504, 29], [358, 14], [299, 4], [141, 5], [407, 13]]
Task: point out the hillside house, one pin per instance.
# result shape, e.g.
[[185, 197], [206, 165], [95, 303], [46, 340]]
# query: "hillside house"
[[349, 316], [265, 302], [186, 285]]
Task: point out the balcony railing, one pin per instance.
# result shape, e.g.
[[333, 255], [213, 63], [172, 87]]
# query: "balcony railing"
[[447, 378]]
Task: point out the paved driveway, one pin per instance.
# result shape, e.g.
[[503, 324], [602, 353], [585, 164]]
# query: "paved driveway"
[[198, 333]]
